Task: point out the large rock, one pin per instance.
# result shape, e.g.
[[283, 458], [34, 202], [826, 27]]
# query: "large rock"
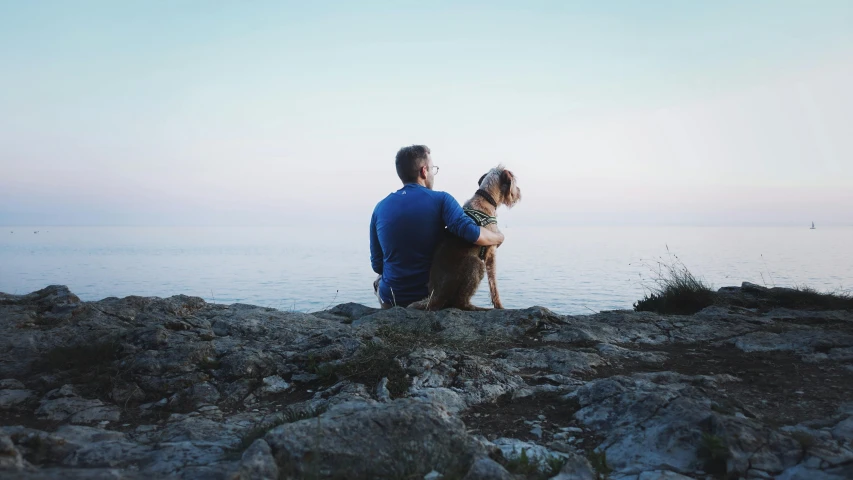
[[145, 387], [64, 405], [11, 398], [101, 448], [473, 379], [487, 469], [552, 359], [662, 421], [374, 440]]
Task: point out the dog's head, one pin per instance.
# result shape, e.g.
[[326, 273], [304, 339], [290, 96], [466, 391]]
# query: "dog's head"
[[501, 184]]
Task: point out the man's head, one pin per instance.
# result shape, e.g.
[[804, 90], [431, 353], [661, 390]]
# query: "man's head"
[[414, 165]]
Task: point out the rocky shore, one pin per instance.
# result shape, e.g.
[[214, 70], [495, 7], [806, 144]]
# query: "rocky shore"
[[179, 388]]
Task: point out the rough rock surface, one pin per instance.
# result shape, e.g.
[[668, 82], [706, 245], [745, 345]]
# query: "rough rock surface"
[[405, 437], [179, 388]]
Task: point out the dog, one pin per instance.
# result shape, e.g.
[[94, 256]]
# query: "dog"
[[458, 267]]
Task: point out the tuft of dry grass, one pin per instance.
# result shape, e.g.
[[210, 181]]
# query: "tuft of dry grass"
[[674, 290]]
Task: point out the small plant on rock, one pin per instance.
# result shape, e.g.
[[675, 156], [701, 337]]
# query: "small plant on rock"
[[675, 290], [555, 464], [521, 464]]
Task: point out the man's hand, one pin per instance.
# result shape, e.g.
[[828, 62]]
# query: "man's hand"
[[488, 238]]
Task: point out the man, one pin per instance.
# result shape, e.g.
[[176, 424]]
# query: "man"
[[407, 225]]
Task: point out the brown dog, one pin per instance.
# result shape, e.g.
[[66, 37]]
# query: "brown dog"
[[457, 266]]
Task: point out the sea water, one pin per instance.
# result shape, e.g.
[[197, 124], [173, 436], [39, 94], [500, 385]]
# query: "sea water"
[[572, 270]]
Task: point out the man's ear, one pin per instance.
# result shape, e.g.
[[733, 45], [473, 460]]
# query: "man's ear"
[[480, 181]]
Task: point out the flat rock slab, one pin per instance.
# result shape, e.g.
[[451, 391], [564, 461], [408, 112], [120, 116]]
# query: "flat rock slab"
[[11, 398], [77, 410], [374, 440]]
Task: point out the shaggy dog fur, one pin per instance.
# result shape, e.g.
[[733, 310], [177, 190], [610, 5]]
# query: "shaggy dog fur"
[[457, 269]]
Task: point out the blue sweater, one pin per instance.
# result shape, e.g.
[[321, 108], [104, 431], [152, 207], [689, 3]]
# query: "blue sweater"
[[404, 231]]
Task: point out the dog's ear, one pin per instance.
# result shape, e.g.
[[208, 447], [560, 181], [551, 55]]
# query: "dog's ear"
[[506, 179], [480, 181], [511, 193]]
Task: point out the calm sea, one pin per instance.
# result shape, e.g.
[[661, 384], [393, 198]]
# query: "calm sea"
[[567, 269]]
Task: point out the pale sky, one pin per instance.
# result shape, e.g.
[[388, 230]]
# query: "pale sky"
[[275, 113]]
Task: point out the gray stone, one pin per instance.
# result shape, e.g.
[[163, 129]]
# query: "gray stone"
[[11, 384], [107, 453], [405, 436], [351, 311], [656, 422], [173, 457], [64, 405], [753, 288], [12, 398], [258, 463], [199, 430], [799, 340], [476, 379], [841, 354], [844, 430], [487, 469], [662, 475], [382, 393], [612, 351], [274, 384], [124, 393], [537, 455], [554, 360], [304, 377], [446, 398], [577, 467], [203, 393], [802, 472]]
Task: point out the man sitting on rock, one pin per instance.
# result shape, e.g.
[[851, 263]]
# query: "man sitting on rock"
[[407, 225]]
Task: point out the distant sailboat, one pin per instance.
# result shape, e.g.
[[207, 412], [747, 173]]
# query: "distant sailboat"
[[812, 226]]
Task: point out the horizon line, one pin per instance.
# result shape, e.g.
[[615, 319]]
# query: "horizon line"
[[525, 225]]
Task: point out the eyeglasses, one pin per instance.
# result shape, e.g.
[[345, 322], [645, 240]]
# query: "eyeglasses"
[[434, 169]]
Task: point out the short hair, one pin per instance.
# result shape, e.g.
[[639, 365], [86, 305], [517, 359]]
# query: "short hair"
[[409, 162]]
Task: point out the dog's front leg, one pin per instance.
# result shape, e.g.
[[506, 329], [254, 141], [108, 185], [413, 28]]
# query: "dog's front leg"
[[491, 271]]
